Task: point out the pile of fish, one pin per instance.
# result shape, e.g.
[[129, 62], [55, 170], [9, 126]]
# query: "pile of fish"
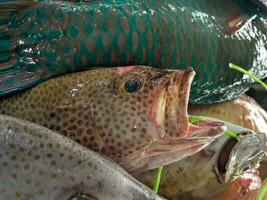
[[94, 97]]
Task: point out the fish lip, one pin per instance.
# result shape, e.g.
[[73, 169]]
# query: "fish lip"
[[235, 165]]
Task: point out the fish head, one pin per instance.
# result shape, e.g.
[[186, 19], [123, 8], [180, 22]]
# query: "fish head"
[[140, 117], [240, 156], [137, 105]]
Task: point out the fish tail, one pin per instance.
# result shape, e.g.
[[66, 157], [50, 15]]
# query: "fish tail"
[[11, 74]]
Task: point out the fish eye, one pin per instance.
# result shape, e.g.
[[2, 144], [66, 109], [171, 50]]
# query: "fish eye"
[[245, 168], [131, 86]]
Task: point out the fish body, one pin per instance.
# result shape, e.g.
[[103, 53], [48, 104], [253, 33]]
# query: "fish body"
[[210, 172], [243, 111], [39, 164], [135, 115], [44, 38]]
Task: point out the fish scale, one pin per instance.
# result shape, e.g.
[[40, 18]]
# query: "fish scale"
[[43, 39]]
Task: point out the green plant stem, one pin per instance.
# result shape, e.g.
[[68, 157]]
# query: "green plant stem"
[[157, 179], [233, 66], [232, 134], [262, 192]]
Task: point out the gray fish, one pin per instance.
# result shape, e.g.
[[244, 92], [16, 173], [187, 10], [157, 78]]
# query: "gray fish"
[[39, 164], [205, 174]]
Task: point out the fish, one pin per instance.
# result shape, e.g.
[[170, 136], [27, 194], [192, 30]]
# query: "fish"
[[213, 170], [136, 115], [41, 39], [40, 164], [243, 111]]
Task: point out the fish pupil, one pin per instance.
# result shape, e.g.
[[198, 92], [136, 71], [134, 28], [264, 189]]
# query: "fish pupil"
[[132, 85]]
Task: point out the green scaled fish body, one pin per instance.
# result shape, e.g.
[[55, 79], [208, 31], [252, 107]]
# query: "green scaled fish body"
[[42, 39], [39, 164]]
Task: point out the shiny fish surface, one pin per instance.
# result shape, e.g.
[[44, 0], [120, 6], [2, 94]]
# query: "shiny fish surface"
[[243, 111], [39, 164], [44, 38], [136, 115]]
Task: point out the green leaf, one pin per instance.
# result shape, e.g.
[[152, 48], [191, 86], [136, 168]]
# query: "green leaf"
[[157, 179], [233, 66]]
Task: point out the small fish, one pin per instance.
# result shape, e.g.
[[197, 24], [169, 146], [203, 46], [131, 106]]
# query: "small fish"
[[243, 111], [40, 39], [207, 173], [39, 164], [136, 115]]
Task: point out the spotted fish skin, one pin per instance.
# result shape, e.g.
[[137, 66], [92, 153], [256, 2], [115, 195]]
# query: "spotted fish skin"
[[140, 129], [42, 39], [39, 164]]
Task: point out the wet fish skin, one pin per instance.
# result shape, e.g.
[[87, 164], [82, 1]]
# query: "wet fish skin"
[[40, 164], [243, 111], [41, 39], [140, 129], [199, 177]]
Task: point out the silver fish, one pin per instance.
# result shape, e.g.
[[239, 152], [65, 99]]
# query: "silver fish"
[[39, 164], [205, 174]]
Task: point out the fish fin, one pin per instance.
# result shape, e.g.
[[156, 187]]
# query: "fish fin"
[[13, 75], [166, 151]]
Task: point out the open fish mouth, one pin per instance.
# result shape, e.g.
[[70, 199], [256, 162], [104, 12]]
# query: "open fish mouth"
[[177, 138], [240, 156]]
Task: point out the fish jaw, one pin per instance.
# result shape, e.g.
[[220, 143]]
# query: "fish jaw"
[[162, 151]]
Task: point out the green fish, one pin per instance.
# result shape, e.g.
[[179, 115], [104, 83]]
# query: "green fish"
[[43, 38], [40, 164]]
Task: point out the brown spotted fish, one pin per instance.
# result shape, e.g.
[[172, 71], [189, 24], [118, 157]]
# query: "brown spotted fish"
[[136, 115], [226, 161], [39, 164]]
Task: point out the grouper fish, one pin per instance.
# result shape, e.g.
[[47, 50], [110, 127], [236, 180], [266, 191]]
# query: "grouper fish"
[[225, 163], [40, 164], [136, 115], [40, 39]]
